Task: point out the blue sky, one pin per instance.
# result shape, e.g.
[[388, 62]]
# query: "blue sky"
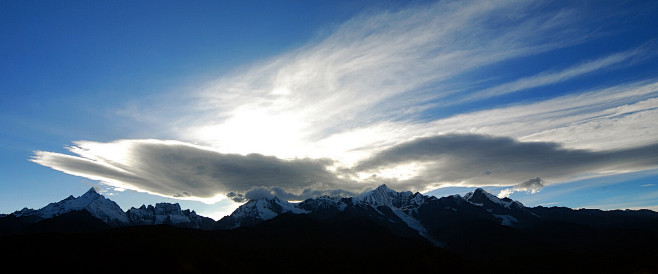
[[212, 103]]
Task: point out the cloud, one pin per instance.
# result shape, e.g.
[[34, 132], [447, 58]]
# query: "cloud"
[[553, 77], [472, 160], [614, 117], [282, 193], [258, 193], [376, 69], [376, 80], [236, 197], [384, 77], [180, 170], [533, 186], [505, 193], [185, 171]]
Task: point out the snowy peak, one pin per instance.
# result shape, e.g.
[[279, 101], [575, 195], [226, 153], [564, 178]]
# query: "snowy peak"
[[381, 196], [481, 197], [90, 194], [384, 189], [325, 202], [266, 208], [384, 196], [257, 211], [109, 212], [91, 201]]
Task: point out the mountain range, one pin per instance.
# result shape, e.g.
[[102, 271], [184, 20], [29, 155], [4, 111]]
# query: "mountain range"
[[407, 227], [107, 212]]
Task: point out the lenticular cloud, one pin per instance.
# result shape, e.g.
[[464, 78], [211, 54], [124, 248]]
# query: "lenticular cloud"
[[186, 171], [180, 170]]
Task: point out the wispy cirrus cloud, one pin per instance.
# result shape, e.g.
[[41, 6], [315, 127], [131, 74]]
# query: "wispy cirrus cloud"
[[377, 68], [574, 120], [553, 77], [324, 115]]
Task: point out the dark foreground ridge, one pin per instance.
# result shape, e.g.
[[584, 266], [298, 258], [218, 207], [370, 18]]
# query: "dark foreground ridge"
[[380, 230]]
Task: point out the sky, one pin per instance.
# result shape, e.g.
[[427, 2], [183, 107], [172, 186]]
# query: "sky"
[[212, 103]]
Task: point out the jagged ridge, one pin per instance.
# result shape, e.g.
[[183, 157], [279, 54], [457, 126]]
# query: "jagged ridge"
[[403, 213], [400, 211], [110, 213]]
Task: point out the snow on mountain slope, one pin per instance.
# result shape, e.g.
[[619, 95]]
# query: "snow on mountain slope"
[[100, 207], [481, 197], [399, 210], [325, 203], [389, 207], [402, 204], [413, 223], [256, 211], [266, 209], [384, 196], [109, 212]]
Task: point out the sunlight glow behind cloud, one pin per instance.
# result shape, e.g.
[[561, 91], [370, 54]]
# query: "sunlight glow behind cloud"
[[328, 114], [372, 70]]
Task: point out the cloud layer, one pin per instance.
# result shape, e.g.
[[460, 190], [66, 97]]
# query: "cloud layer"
[[467, 159], [180, 170]]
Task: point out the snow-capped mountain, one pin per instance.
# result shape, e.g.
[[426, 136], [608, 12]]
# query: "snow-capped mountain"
[[480, 197], [477, 226], [384, 196], [167, 213], [404, 212], [100, 207], [508, 211], [110, 213], [257, 211]]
